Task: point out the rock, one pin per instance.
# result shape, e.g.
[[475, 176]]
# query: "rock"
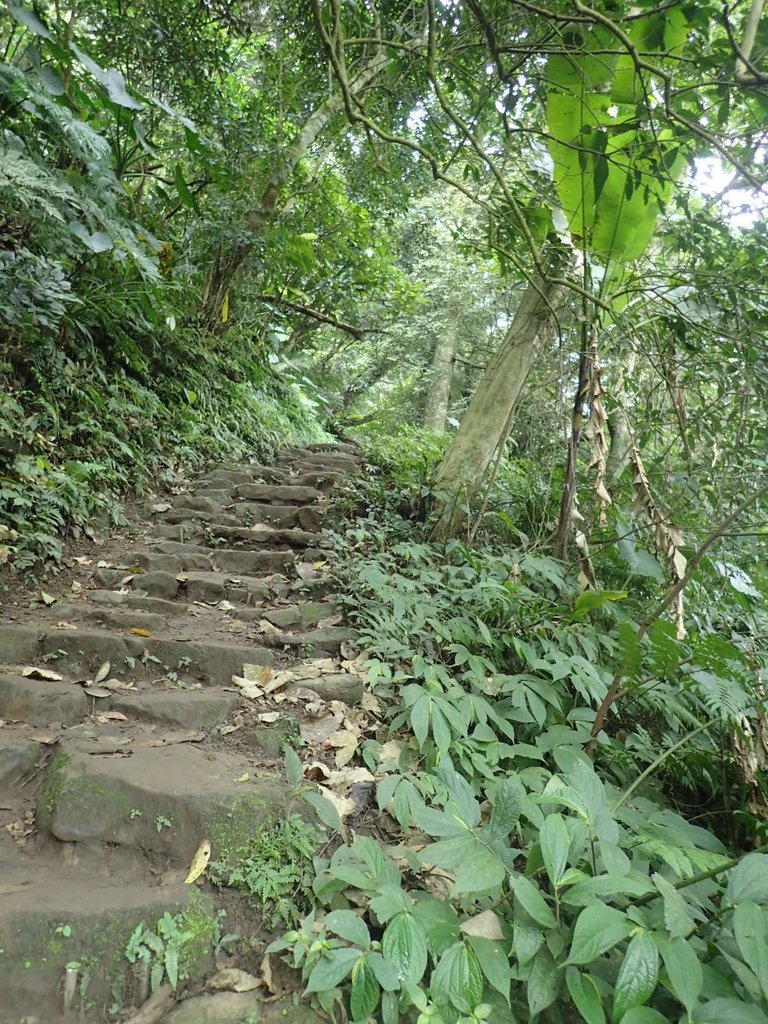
[[39, 702], [278, 493], [235, 1007], [18, 757]]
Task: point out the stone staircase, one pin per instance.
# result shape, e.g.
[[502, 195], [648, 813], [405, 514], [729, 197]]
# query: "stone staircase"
[[124, 741]]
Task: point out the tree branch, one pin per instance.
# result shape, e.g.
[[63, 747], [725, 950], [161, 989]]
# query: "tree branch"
[[315, 314]]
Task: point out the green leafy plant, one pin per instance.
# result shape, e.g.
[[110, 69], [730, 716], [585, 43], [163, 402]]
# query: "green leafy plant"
[[160, 948], [275, 868]]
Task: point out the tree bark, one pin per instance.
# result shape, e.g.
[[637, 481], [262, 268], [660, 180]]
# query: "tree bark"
[[439, 394], [460, 474]]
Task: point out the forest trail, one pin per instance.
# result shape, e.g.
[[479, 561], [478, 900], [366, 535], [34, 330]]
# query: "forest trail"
[[125, 742]]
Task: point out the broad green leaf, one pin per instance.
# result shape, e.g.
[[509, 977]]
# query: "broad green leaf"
[[677, 918], [644, 1015], [365, 991], [532, 901], [494, 962], [439, 921], [543, 982], [186, 197], [420, 719], [457, 978], [390, 1010], [29, 20], [585, 996], [118, 92], [527, 936], [326, 812], [386, 972], [294, 770], [349, 926], [555, 843], [749, 880], [405, 944], [684, 972], [508, 799], [476, 867], [598, 929], [638, 975], [730, 1011], [750, 930], [331, 969], [390, 900], [584, 892], [589, 600]]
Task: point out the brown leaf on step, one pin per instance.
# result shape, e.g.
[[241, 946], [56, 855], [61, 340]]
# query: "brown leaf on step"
[[320, 564], [107, 745], [233, 979], [245, 777], [345, 742], [227, 730], [199, 862], [260, 674], [97, 692], [161, 506], [177, 737], [32, 672], [48, 599], [103, 672], [267, 628], [82, 560], [7, 890], [46, 738], [269, 717], [118, 684], [181, 578], [266, 973], [112, 716], [127, 579], [316, 771], [317, 730], [66, 625], [332, 620], [225, 606], [345, 778], [343, 804], [371, 704], [389, 753], [348, 650], [139, 632], [247, 688]]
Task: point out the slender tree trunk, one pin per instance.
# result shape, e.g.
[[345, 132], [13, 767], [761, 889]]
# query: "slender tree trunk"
[[439, 394], [460, 474]]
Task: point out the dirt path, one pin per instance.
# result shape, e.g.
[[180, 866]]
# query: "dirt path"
[[124, 740]]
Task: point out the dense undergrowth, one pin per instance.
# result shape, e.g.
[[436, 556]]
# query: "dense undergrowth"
[[532, 882], [108, 375]]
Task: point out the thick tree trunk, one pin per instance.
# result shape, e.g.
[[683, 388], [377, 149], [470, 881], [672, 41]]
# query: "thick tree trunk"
[[439, 394], [460, 474]]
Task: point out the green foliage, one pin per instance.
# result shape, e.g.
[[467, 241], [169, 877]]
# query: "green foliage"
[[530, 881], [162, 949], [275, 869]]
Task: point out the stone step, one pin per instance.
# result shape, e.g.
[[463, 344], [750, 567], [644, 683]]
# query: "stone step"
[[259, 535], [53, 915], [181, 514], [18, 758], [334, 446], [278, 493], [306, 517], [253, 474], [41, 702], [174, 557], [306, 613], [313, 641], [208, 587], [322, 479], [80, 653], [159, 800]]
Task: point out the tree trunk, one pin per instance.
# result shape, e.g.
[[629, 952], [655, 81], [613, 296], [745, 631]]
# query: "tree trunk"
[[460, 474], [618, 424], [439, 394]]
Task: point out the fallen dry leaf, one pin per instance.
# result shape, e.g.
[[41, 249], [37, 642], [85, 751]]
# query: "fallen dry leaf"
[[112, 716], [343, 804], [269, 717], [103, 672], [139, 632], [245, 777], [345, 743], [48, 599], [332, 620], [485, 925], [199, 862], [76, 587], [247, 688], [161, 506], [66, 625], [233, 979], [32, 672], [371, 704]]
